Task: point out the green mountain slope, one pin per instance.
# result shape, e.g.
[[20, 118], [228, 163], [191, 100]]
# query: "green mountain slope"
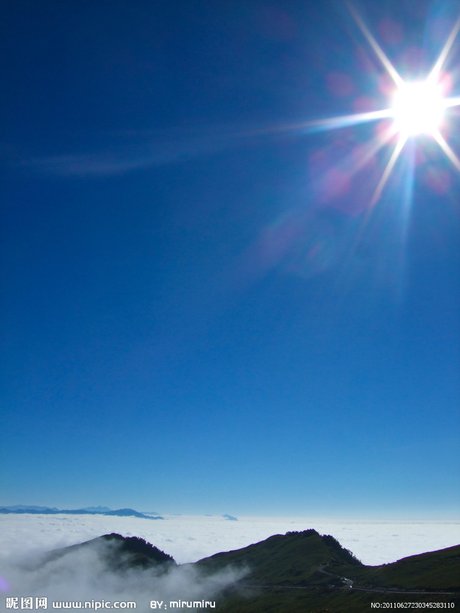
[[304, 572], [118, 552], [300, 572], [296, 558], [436, 570]]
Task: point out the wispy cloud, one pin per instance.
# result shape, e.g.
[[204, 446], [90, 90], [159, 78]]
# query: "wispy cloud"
[[130, 151]]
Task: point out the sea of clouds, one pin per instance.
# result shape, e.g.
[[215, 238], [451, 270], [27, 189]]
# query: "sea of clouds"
[[23, 538], [190, 538]]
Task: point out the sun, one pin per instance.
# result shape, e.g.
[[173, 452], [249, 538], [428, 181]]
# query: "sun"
[[418, 108]]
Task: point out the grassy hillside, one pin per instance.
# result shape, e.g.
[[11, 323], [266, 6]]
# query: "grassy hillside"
[[304, 572], [436, 570], [324, 601], [119, 552], [291, 559]]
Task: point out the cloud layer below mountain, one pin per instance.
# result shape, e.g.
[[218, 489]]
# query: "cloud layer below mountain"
[[189, 538]]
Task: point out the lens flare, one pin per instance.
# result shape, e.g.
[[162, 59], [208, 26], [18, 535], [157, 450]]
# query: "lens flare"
[[416, 108]]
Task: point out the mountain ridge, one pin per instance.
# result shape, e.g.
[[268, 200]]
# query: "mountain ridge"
[[296, 572], [123, 553], [38, 510]]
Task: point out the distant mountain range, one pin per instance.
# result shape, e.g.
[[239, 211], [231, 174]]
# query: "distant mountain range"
[[299, 572], [36, 510]]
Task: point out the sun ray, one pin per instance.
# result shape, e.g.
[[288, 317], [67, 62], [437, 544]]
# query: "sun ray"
[[451, 102], [366, 153], [439, 64], [439, 138], [330, 123], [343, 121], [388, 169], [375, 146], [391, 70]]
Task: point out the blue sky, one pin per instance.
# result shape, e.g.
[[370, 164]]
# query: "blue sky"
[[202, 312]]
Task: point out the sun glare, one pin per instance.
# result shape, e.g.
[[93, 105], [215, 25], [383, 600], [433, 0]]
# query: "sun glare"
[[418, 108]]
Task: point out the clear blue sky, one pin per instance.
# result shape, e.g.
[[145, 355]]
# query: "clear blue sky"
[[201, 312]]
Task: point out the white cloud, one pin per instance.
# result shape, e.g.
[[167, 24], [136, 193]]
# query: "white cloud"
[[189, 538], [83, 575]]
